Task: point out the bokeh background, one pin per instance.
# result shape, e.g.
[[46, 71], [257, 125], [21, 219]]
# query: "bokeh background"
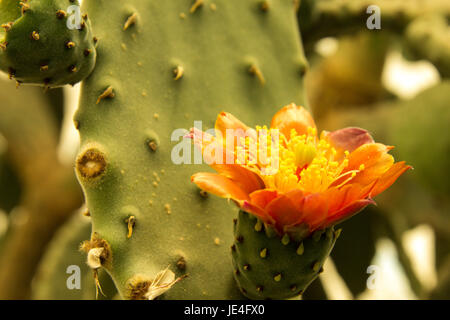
[[392, 81]]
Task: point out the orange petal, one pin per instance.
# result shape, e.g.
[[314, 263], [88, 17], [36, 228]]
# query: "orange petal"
[[314, 210], [226, 121], [199, 135], [218, 158], [389, 177], [347, 201], [296, 197], [372, 173], [368, 154], [262, 198], [283, 211], [348, 139], [231, 130], [375, 159], [219, 185], [292, 117], [246, 179], [342, 197], [201, 139], [213, 151], [347, 212], [257, 211]]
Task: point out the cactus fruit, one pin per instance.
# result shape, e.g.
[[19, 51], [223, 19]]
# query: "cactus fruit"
[[45, 42], [179, 61], [268, 266]]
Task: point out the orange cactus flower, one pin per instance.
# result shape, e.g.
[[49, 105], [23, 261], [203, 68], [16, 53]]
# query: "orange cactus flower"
[[305, 182]]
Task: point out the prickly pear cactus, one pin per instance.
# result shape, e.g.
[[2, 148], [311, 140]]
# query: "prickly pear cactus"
[[63, 273], [270, 267], [162, 65], [429, 115], [46, 42]]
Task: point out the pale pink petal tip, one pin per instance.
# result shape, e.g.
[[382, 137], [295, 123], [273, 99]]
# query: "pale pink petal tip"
[[350, 138]]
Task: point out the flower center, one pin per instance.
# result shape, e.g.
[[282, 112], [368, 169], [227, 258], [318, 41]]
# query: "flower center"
[[302, 162]]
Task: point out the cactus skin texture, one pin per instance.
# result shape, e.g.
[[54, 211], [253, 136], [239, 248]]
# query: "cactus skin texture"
[[429, 115], [37, 47], [162, 65], [50, 282], [270, 267]]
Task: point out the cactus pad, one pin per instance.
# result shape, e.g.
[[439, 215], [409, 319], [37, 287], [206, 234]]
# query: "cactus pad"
[[46, 42], [179, 61]]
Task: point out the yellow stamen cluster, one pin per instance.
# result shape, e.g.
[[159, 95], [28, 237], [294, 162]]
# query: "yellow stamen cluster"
[[303, 162], [258, 151]]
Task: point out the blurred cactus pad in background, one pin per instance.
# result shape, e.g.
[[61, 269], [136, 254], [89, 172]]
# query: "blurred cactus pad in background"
[[106, 193]]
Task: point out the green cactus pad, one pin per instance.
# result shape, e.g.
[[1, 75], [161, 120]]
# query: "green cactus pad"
[[161, 66], [268, 266], [45, 42]]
